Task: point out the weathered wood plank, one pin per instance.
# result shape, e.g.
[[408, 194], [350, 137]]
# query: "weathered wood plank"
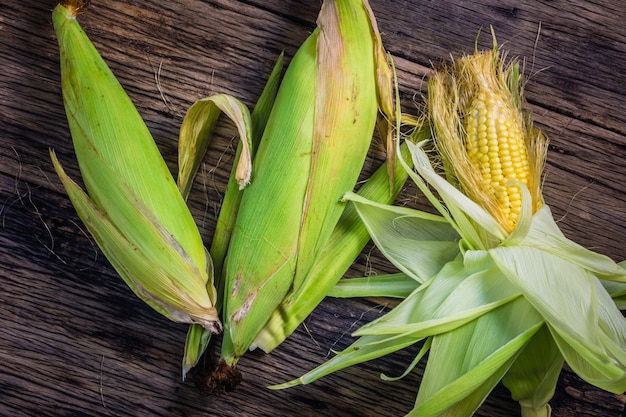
[[75, 341]]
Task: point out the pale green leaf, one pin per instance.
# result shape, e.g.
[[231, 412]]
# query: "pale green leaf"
[[586, 324], [591, 366], [393, 285], [467, 405], [463, 360], [533, 376], [459, 205], [265, 103], [617, 290], [417, 243], [420, 355], [545, 235], [452, 298], [364, 349], [195, 344]]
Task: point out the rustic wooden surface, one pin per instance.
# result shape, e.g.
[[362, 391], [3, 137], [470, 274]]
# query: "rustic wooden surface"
[[75, 341]]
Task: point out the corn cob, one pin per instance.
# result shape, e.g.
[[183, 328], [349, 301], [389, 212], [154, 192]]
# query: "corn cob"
[[494, 145], [320, 128], [133, 207], [496, 148]]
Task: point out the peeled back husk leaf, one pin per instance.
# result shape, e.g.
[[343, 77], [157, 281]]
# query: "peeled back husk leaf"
[[195, 134]]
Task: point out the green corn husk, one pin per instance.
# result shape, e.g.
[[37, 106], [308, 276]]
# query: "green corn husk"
[[506, 305], [195, 136], [132, 206], [320, 127], [346, 242], [344, 245]]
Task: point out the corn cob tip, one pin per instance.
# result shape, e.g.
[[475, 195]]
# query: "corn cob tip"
[[210, 322]]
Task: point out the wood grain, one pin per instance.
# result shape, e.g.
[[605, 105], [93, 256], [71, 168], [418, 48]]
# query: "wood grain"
[[74, 340]]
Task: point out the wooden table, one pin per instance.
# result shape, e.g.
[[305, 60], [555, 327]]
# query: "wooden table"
[[75, 341]]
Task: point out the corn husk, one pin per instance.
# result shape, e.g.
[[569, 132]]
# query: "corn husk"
[[132, 206], [195, 137], [290, 215], [320, 127]]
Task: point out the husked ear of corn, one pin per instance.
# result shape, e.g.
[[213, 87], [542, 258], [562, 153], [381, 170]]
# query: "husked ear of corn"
[[486, 142], [496, 148], [311, 153], [132, 206], [500, 294]]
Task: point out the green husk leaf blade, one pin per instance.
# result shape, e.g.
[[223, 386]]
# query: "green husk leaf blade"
[[390, 285], [364, 349], [417, 243], [533, 376], [591, 332], [133, 209], [545, 235], [258, 272], [196, 343], [466, 214], [471, 359], [450, 299], [345, 116]]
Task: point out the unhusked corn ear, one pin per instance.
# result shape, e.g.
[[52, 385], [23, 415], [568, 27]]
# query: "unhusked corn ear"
[[310, 155], [132, 206], [486, 142], [261, 257]]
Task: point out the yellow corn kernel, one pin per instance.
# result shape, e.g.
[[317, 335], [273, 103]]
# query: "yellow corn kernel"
[[495, 146]]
